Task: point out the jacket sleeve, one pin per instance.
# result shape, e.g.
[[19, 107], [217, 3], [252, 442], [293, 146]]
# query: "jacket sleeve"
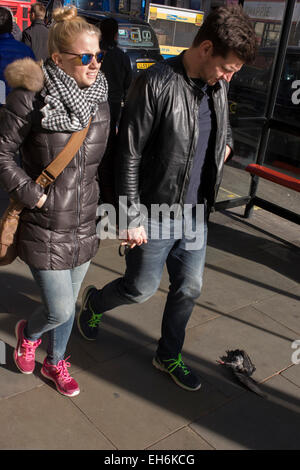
[[229, 137], [134, 131], [15, 126]]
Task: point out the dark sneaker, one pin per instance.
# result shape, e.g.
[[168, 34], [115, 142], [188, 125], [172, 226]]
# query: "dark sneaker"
[[180, 373], [87, 320]]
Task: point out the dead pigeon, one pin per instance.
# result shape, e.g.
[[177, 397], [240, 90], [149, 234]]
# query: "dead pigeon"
[[242, 367]]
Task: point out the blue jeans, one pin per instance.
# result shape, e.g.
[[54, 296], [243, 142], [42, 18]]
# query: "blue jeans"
[[144, 267], [59, 291]]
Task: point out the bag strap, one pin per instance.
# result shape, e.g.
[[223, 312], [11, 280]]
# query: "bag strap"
[[56, 167]]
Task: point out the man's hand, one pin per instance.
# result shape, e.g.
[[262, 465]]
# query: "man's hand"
[[227, 152], [134, 237]]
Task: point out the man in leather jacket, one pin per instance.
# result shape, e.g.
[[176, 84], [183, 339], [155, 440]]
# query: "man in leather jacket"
[[173, 140], [36, 35]]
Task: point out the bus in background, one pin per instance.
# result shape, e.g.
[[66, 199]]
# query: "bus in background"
[[20, 10], [267, 17], [175, 28]]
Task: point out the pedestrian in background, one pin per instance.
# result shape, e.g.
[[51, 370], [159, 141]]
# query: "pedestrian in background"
[[173, 139], [10, 49], [16, 32], [116, 68], [36, 35], [57, 231]]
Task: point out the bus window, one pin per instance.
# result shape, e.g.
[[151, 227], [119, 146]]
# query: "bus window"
[[184, 34], [175, 27]]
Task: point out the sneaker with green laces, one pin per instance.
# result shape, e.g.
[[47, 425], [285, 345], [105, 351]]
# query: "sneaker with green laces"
[[180, 373], [88, 321]]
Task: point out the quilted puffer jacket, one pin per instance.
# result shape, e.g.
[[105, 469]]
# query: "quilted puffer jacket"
[[62, 234]]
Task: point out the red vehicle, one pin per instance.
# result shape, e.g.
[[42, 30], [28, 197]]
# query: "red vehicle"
[[20, 11]]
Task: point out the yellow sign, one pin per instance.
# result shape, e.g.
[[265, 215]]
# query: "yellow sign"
[[173, 15], [171, 50], [144, 65]]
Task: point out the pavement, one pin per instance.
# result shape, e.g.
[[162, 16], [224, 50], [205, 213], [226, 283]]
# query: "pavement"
[[250, 300]]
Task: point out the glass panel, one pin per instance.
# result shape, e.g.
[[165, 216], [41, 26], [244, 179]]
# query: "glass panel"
[[96, 5], [236, 181], [283, 153], [164, 30], [249, 88], [288, 100], [184, 34]]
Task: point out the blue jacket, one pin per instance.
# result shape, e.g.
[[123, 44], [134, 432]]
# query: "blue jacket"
[[10, 50]]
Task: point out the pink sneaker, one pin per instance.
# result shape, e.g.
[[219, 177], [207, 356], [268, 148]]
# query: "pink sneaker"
[[59, 374], [24, 354]]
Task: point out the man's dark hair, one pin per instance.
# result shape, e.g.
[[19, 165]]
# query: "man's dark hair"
[[6, 21], [109, 29], [230, 30]]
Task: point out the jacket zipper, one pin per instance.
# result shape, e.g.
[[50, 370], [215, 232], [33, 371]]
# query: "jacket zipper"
[[76, 244], [215, 98]]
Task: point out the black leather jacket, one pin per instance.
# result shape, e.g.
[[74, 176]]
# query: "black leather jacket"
[[158, 135]]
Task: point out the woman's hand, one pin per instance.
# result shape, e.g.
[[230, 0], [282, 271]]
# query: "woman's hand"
[[41, 201], [135, 236]]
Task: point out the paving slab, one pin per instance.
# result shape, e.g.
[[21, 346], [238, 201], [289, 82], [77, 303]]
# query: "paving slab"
[[130, 326], [285, 309], [19, 293], [251, 422], [293, 373], [134, 404], [185, 438], [267, 342], [44, 420], [12, 381], [262, 221], [232, 285]]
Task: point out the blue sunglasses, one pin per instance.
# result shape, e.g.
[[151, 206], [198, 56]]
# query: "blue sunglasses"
[[86, 59]]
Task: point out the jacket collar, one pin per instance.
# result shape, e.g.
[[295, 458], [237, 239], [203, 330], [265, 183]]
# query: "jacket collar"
[[179, 68], [38, 22]]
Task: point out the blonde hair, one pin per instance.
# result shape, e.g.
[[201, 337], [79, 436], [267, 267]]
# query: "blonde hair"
[[66, 28]]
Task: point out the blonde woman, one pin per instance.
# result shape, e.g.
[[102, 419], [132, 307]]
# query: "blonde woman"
[[57, 236]]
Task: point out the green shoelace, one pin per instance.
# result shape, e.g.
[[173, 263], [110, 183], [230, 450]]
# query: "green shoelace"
[[96, 318], [177, 363]]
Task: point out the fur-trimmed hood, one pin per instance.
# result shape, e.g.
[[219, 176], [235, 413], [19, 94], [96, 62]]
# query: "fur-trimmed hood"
[[25, 73]]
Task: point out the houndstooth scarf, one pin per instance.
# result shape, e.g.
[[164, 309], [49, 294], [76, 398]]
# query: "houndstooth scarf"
[[68, 107]]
